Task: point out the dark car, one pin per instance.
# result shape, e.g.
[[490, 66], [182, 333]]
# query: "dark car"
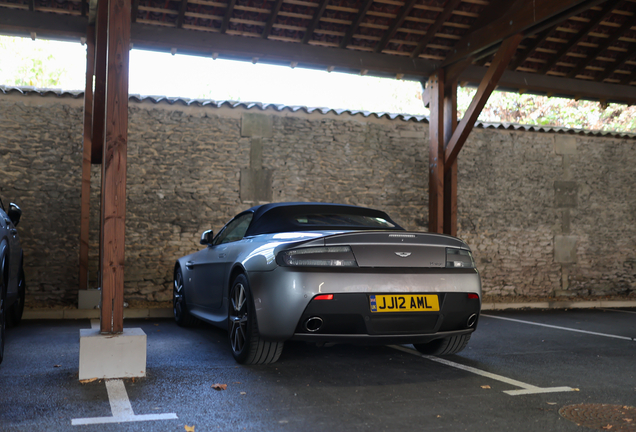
[[12, 283], [328, 273]]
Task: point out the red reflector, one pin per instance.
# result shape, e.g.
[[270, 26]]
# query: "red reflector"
[[324, 297], [473, 296]]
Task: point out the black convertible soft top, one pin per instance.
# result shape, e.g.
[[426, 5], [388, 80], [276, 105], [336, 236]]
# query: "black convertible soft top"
[[299, 216]]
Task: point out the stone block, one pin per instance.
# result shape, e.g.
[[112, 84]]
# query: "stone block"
[[565, 249], [256, 185], [566, 194], [564, 145], [112, 356], [260, 125], [89, 298]]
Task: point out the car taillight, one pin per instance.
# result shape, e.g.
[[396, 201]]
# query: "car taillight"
[[473, 296], [324, 297], [459, 258], [328, 256]]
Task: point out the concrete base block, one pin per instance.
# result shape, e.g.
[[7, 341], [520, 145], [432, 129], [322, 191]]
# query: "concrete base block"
[[112, 356], [89, 299]]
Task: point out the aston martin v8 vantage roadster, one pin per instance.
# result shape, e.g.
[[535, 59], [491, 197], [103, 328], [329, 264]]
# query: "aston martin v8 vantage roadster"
[[328, 273]]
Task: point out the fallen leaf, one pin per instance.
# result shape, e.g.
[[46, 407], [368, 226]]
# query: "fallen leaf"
[[219, 386], [485, 387], [575, 389], [236, 382], [608, 427], [628, 420], [156, 324], [57, 365], [243, 393], [86, 381], [439, 416], [189, 428], [552, 403]]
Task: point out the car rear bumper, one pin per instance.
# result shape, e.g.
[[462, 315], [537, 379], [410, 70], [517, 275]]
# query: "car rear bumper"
[[283, 301]]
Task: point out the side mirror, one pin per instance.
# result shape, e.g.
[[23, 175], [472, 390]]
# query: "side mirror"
[[207, 237], [14, 213]]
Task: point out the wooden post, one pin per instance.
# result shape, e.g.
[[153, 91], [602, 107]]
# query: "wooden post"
[[86, 158], [450, 175], [436, 153], [114, 167]]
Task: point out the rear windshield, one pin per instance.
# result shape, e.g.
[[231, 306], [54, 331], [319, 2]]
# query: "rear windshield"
[[343, 220]]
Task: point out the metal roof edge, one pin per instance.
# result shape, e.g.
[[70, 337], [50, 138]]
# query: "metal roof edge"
[[44, 92]]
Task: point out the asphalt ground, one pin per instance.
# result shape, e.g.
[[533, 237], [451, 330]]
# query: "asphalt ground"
[[335, 388]]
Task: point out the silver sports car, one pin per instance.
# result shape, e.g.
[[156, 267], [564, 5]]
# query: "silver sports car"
[[328, 273]]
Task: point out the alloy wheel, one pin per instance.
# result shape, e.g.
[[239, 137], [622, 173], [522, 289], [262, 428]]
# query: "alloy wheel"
[[177, 296], [238, 318]]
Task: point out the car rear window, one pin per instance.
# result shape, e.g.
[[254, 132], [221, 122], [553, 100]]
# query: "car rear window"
[[343, 220]]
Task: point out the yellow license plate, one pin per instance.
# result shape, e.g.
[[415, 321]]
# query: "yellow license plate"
[[404, 303]]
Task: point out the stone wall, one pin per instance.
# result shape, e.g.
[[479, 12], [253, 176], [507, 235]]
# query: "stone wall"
[[546, 214]]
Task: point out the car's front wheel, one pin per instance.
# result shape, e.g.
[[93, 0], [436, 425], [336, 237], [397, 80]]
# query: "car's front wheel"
[[444, 346], [15, 312], [247, 345], [179, 306]]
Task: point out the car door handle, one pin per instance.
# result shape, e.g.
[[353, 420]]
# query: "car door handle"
[[13, 231], [189, 265]]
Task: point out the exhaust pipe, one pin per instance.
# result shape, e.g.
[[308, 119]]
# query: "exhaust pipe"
[[471, 320], [313, 324]]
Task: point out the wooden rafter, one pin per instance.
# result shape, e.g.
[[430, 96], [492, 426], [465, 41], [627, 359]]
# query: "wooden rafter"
[[397, 22], [620, 60], [272, 19], [432, 30], [531, 46], [356, 23], [228, 14], [613, 37], [320, 10], [182, 10], [629, 78], [608, 7], [488, 84], [508, 18]]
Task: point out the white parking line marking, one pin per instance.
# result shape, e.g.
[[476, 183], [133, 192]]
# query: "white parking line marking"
[[561, 328], [121, 408], [526, 389], [618, 310]]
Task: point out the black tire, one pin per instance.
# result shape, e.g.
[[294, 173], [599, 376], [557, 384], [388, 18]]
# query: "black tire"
[[179, 305], [3, 305], [444, 346], [14, 313], [245, 342]]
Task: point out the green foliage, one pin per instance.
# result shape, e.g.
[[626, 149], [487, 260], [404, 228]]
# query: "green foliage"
[[542, 110]]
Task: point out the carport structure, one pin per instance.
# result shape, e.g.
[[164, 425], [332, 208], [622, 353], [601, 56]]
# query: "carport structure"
[[582, 49]]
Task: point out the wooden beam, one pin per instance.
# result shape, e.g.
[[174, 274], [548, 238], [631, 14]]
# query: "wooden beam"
[[620, 59], [277, 52], [432, 29], [320, 10], [99, 96], [183, 6], [629, 78], [397, 23], [488, 84], [133, 12], [353, 28], [573, 41], [534, 83], [450, 172], [436, 153], [31, 5], [518, 17], [86, 159], [272, 19], [114, 168], [228, 14], [531, 46]]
